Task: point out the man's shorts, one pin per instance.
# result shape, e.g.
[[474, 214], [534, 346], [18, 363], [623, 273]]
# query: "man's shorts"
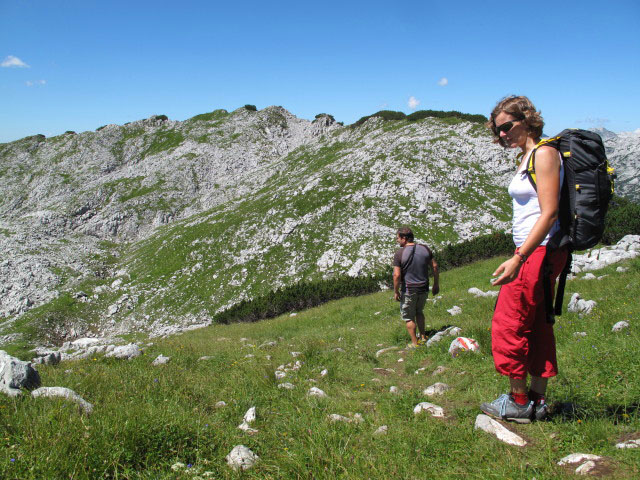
[[412, 303]]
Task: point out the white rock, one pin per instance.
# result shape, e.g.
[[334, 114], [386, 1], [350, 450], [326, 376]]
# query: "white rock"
[[294, 314], [479, 293], [455, 310], [250, 415], [280, 374], [161, 360], [268, 344], [385, 350], [204, 358], [436, 389], [125, 351], [383, 430], [578, 458], [621, 325], [316, 392], [16, 374], [295, 354], [400, 360], [241, 457], [589, 276], [434, 410], [629, 444], [489, 425], [420, 370], [324, 373], [394, 389], [586, 468], [334, 417], [286, 386], [579, 334], [357, 418], [622, 269], [63, 392], [244, 426], [221, 404], [578, 305], [439, 370], [461, 344]]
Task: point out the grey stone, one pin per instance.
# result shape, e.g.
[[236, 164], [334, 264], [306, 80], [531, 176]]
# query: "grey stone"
[[241, 458], [436, 389], [62, 392], [125, 352], [161, 360], [489, 425], [16, 374], [434, 410], [575, 458], [621, 325]]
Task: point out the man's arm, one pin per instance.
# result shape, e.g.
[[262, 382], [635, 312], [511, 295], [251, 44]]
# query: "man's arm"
[[397, 279], [436, 277]]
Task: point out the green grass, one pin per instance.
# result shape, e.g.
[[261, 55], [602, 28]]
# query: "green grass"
[[147, 418]]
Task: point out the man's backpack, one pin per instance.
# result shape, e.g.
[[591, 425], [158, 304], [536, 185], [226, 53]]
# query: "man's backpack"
[[584, 196]]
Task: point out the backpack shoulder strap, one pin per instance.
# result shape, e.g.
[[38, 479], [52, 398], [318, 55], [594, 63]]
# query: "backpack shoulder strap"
[[531, 163], [409, 260]]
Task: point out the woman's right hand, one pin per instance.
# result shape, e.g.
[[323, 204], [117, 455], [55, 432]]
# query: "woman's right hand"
[[507, 271]]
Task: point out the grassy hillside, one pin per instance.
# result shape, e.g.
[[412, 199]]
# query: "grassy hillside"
[[146, 419]]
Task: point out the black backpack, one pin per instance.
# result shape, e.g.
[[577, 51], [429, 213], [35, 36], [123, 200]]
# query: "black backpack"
[[584, 196]]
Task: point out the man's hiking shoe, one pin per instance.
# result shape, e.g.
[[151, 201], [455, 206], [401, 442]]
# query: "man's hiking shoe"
[[541, 410], [506, 408]]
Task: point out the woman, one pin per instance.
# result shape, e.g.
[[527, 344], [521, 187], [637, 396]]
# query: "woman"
[[522, 337]]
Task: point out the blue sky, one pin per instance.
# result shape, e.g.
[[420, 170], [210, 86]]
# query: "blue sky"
[[70, 65]]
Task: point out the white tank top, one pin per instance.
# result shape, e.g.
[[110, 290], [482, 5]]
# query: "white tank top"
[[526, 209]]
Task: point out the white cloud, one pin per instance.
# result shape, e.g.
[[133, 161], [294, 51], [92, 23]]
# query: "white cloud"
[[594, 121], [12, 61], [34, 83], [443, 82], [413, 102]]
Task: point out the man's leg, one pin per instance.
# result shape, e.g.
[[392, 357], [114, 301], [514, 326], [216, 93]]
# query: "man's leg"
[[411, 328], [420, 322]]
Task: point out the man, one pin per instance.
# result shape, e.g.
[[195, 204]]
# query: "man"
[[411, 281]]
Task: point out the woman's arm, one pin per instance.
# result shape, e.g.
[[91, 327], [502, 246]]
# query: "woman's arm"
[[548, 187]]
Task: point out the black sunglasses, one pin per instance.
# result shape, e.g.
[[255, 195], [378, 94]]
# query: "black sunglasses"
[[506, 126]]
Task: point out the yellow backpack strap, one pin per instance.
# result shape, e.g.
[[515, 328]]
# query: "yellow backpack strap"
[[531, 163]]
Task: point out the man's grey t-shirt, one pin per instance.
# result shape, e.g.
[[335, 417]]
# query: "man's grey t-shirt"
[[415, 275]]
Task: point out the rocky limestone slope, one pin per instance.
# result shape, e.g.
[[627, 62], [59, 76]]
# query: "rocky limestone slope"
[[157, 222]]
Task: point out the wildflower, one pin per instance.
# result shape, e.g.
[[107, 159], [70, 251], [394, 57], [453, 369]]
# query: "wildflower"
[[13, 460], [579, 421], [189, 465]]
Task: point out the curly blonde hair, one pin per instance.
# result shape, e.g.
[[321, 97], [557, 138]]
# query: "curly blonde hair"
[[521, 108]]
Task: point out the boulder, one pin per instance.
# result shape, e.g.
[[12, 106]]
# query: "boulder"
[[316, 392], [16, 374], [489, 425], [65, 393], [621, 325], [125, 351], [578, 305], [434, 410], [436, 389], [241, 458], [161, 360]]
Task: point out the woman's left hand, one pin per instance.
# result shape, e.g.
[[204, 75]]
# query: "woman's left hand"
[[508, 271]]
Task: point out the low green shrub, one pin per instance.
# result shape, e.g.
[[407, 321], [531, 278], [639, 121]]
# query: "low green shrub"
[[251, 108], [623, 218], [420, 114], [384, 114], [485, 246], [304, 295]]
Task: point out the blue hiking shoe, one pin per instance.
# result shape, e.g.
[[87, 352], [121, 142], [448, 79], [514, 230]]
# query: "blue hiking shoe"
[[506, 408]]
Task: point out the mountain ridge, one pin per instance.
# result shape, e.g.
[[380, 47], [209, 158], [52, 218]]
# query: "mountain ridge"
[[204, 213]]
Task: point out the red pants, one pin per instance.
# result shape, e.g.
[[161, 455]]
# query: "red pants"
[[522, 339]]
